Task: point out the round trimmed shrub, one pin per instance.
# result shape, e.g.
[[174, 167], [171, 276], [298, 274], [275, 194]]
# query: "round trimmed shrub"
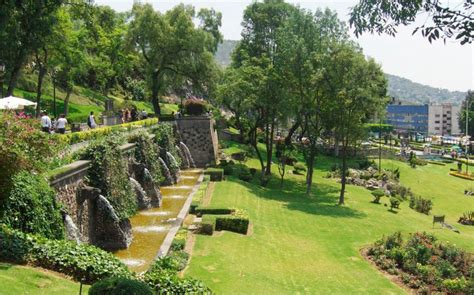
[[378, 193], [195, 106], [120, 286]]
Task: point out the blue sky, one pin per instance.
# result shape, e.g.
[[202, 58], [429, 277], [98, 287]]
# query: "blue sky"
[[441, 65]]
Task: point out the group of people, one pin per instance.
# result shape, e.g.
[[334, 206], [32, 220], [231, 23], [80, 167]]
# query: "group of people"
[[48, 125], [129, 115], [59, 125]]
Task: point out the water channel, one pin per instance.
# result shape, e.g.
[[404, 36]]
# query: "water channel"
[[149, 227]]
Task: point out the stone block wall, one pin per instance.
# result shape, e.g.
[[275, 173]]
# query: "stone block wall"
[[199, 135]]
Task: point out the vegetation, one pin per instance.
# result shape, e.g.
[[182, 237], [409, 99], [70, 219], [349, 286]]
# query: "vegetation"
[[147, 153], [84, 263], [425, 264], [116, 286], [421, 205]]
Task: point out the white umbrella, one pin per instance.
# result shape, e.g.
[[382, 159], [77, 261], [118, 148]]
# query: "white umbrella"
[[14, 103]]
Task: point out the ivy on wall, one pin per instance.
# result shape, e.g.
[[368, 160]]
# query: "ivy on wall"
[[109, 173], [165, 137], [147, 153]]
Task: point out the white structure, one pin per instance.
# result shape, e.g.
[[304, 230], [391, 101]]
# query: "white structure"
[[443, 119]]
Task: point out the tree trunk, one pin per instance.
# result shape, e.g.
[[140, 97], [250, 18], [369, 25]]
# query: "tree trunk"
[[343, 176], [291, 132], [41, 74], [13, 78], [66, 101], [268, 168], [336, 146], [155, 89], [309, 172]]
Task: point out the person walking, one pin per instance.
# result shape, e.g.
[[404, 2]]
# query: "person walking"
[[91, 121], [61, 124], [45, 122]]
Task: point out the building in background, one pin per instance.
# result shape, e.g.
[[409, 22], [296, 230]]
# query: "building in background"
[[433, 119]]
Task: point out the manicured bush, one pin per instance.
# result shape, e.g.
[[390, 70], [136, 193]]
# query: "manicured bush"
[[245, 175], [207, 225], [228, 170], [195, 106], [213, 211], [109, 173], [421, 205], [216, 174], [394, 203], [461, 174], [423, 263], [378, 193], [82, 262], [120, 286], [31, 207], [233, 223], [300, 166]]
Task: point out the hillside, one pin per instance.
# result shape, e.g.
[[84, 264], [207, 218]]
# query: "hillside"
[[401, 88]]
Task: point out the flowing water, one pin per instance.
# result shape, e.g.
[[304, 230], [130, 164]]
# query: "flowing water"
[[188, 155], [166, 170], [71, 229], [150, 226]]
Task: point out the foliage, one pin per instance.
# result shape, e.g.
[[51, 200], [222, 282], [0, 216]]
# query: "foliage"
[[245, 175], [195, 106], [84, 263], [378, 193], [394, 203], [422, 261], [97, 133], [213, 210], [237, 222], [188, 49], [166, 140], [147, 153], [31, 207], [216, 174], [467, 218], [468, 101], [109, 173], [120, 286], [384, 16], [421, 205], [23, 147], [162, 278]]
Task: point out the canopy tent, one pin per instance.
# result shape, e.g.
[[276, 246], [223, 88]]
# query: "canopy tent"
[[14, 103]]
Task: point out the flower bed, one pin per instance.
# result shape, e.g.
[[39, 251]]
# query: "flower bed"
[[424, 264], [461, 175]]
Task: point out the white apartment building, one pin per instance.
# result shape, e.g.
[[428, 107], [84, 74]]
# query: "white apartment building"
[[443, 119]]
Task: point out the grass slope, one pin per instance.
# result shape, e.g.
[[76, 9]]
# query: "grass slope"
[[15, 279], [307, 244]]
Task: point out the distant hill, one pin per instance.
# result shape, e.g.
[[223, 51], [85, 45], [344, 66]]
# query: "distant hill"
[[402, 89]]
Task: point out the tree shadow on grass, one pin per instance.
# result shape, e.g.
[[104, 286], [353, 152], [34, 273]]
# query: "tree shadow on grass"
[[322, 200]]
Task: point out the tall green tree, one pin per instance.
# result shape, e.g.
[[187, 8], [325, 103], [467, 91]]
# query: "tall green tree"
[[261, 23], [25, 27], [358, 88], [469, 102], [172, 47]]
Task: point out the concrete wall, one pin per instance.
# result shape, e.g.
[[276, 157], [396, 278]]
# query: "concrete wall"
[[199, 135]]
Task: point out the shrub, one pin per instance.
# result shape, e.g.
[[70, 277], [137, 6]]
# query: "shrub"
[[240, 156], [378, 193], [195, 106], [207, 225], [300, 167], [253, 171], [120, 286], [31, 207], [421, 205], [83, 262], [394, 203], [238, 223], [216, 174], [165, 281], [245, 175], [366, 163], [213, 211], [467, 218], [166, 139], [228, 170], [109, 173], [23, 146]]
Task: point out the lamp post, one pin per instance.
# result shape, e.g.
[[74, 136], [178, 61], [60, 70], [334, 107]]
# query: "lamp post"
[[2, 75]]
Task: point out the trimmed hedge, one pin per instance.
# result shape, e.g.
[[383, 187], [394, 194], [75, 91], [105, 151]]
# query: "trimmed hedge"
[[213, 211], [216, 174], [461, 175], [82, 262], [238, 222]]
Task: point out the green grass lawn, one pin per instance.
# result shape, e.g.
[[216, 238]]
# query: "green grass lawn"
[[307, 244], [16, 279]]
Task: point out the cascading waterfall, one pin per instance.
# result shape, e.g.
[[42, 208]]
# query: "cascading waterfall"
[[166, 171], [152, 191], [174, 164], [185, 161], [143, 200], [188, 155], [71, 229]]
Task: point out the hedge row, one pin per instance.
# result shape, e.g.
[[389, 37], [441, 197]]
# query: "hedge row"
[[237, 222], [216, 174], [461, 175], [200, 211], [75, 137], [84, 263]]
